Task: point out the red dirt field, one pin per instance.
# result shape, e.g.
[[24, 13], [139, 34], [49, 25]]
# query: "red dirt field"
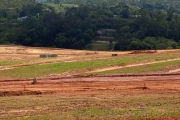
[[132, 85], [93, 85]]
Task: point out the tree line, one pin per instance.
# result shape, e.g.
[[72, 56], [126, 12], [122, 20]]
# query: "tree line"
[[137, 28]]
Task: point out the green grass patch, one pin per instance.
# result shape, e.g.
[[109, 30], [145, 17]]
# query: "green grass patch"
[[55, 6], [100, 45], [144, 68], [69, 5], [60, 7], [56, 68], [45, 69], [8, 62]]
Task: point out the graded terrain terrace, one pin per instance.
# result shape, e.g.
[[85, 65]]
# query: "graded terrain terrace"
[[79, 84]]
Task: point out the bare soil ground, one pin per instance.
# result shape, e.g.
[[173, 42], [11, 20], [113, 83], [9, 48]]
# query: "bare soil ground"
[[92, 85], [30, 56]]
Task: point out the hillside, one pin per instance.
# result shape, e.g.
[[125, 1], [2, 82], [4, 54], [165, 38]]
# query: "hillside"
[[41, 0], [130, 25], [157, 4], [81, 85], [148, 4], [14, 3]]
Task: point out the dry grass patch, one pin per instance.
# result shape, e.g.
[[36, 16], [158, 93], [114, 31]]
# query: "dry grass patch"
[[106, 106]]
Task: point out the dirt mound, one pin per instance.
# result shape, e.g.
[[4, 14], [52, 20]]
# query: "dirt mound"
[[143, 51], [19, 93]]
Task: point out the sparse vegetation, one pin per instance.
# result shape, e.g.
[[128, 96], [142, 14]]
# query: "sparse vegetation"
[[55, 92], [156, 67], [81, 99], [60, 67], [86, 107], [8, 62]]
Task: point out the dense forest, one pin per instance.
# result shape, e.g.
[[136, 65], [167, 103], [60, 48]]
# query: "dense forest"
[[136, 24]]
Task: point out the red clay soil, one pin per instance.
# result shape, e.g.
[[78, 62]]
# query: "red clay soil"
[[93, 85], [127, 85]]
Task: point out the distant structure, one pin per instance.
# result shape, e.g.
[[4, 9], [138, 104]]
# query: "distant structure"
[[115, 15], [105, 35], [135, 16], [38, 15], [41, 0], [49, 0], [22, 18], [105, 32]]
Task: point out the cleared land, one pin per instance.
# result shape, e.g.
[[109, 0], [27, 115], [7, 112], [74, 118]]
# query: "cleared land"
[[67, 88], [60, 7]]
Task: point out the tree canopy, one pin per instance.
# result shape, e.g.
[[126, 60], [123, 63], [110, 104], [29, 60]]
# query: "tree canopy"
[[138, 24]]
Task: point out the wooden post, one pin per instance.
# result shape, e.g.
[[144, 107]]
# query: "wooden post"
[[34, 81], [24, 87]]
